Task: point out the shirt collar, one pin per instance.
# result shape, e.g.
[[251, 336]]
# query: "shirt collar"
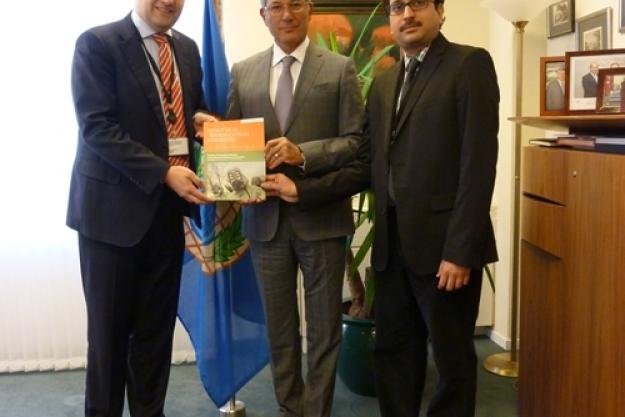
[[299, 53], [420, 57], [144, 29]]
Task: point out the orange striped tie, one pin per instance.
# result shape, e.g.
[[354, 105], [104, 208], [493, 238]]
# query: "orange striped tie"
[[171, 95]]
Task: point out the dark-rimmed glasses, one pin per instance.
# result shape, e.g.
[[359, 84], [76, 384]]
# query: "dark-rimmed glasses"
[[397, 7]]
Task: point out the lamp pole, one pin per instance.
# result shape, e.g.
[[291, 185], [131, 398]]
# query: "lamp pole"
[[507, 364]]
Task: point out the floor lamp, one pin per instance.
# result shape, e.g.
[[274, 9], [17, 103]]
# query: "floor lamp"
[[519, 13]]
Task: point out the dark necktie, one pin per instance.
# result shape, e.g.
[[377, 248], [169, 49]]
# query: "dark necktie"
[[409, 77], [284, 92]]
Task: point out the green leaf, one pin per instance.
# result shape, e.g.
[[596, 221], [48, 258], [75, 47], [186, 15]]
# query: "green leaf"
[[369, 292], [322, 42], [228, 240], [362, 251], [334, 45], [363, 31], [366, 70]]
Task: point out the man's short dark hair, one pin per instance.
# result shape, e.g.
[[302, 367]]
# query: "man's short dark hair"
[[436, 2]]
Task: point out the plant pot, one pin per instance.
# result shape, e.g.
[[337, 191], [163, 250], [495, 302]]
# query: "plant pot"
[[355, 363]]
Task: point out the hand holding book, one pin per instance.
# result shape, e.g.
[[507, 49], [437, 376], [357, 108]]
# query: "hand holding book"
[[281, 186]]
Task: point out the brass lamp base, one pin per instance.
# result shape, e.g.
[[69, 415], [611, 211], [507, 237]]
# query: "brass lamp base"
[[501, 364], [233, 409]]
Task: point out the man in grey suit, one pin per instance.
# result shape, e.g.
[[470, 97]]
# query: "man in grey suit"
[[310, 101]]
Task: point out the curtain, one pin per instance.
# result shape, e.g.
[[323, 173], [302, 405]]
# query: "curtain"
[[42, 310]]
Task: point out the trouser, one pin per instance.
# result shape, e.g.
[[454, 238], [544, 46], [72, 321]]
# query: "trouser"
[[132, 298], [323, 263]]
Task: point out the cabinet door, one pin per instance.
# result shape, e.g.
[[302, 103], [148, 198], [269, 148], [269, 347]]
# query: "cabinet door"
[[541, 334]]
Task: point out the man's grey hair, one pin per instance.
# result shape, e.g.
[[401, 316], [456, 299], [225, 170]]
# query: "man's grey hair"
[[263, 3]]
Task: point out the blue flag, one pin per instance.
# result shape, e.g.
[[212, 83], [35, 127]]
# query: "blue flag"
[[220, 304], [214, 66]]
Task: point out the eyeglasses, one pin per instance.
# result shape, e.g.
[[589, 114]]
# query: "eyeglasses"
[[278, 9], [397, 7]]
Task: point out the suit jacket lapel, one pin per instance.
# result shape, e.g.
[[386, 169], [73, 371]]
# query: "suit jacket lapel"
[[130, 44], [272, 126], [428, 67], [310, 68]]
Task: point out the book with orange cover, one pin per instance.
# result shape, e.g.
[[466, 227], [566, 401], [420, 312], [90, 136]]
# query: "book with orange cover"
[[233, 159]]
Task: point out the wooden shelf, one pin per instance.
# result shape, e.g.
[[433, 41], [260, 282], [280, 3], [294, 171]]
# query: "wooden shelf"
[[591, 122]]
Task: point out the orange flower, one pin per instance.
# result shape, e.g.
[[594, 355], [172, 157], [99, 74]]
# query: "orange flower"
[[381, 36], [335, 23], [383, 64]]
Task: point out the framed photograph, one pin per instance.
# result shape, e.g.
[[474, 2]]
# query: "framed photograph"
[[346, 20], [594, 31], [561, 18], [611, 91], [552, 85], [582, 77], [621, 16]]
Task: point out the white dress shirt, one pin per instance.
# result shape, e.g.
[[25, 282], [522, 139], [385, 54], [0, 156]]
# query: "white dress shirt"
[[276, 66]]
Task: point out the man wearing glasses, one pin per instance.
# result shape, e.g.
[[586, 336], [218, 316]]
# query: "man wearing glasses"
[[310, 101], [432, 125]]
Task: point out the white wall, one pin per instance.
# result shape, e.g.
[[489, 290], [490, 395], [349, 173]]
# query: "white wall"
[[245, 32]]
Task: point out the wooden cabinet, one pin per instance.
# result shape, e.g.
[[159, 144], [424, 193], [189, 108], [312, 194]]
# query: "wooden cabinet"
[[572, 327]]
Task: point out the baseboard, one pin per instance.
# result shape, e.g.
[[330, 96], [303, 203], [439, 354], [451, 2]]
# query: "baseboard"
[[182, 356], [43, 365], [67, 364], [499, 339]]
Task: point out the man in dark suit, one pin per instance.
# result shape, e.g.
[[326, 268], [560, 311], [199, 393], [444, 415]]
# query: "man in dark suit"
[[317, 129], [590, 80], [432, 124], [554, 94], [136, 84]]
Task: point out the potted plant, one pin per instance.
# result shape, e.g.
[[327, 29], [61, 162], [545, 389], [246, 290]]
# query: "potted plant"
[[355, 366]]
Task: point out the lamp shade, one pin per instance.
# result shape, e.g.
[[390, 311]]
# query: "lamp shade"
[[516, 10]]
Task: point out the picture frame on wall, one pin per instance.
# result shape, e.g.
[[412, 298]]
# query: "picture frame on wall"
[[552, 86], [347, 6], [346, 20], [582, 77], [561, 18], [611, 90], [622, 16], [594, 31]]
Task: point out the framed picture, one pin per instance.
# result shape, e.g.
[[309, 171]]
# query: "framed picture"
[[561, 18], [552, 85], [582, 77], [347, 6], [594, 31], [346, 21], [611, 90], [622, 16]]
